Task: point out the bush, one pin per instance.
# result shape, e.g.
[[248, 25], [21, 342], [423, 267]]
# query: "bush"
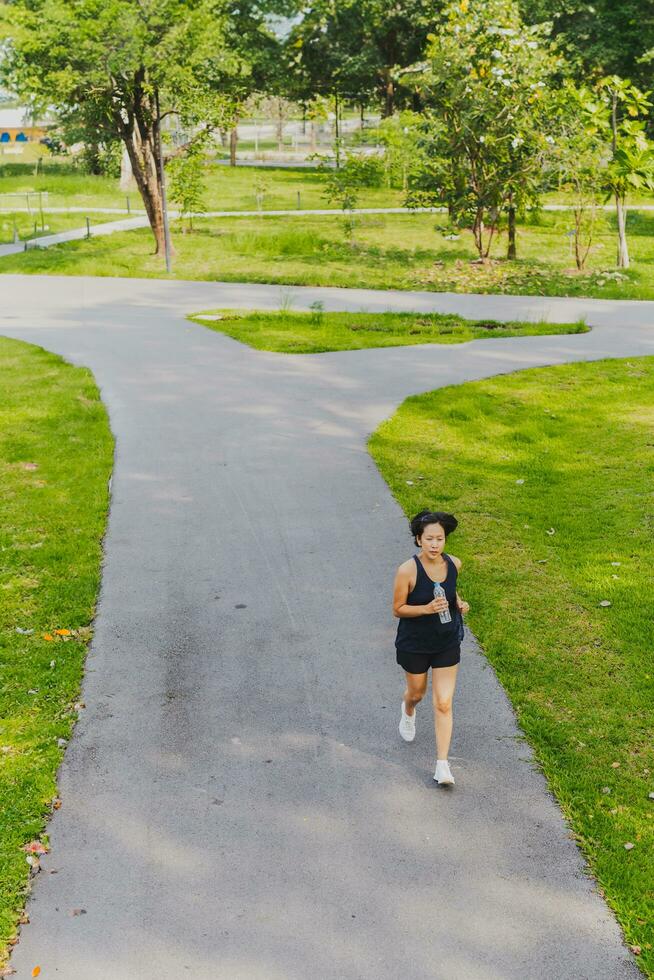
[[102, 159]]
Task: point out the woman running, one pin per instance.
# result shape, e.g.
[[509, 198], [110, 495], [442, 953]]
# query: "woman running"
[[423, 641]]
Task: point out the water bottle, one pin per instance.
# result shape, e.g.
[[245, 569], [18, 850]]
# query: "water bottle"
[[439, 593]]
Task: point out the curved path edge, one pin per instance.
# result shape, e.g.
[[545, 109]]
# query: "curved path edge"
[[237, 803]]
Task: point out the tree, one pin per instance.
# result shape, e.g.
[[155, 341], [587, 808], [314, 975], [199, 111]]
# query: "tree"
[[398, 135], [485, 91], [580, 156], [186, 183], [631, 166], [601, 38], [259, 55], [354, 50], [117, 67]]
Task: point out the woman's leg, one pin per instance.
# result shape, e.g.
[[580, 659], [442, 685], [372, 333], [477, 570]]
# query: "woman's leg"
[[443, 682], [416, 686]]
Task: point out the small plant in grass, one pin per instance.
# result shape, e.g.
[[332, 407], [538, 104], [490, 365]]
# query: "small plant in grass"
[[317, 313], [286, 300], [186, 186], [261, 188], [342, 186]]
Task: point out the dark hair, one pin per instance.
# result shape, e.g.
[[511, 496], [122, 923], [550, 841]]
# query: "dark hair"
[[448, 522]]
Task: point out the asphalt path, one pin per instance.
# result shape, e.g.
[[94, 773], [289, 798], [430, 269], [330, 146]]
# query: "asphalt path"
[[237, 801]]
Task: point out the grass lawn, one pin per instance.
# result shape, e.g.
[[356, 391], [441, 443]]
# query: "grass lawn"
[[227, 188], [309, 333], [553, 488], [388, 252], [29, 226], [56, 453]]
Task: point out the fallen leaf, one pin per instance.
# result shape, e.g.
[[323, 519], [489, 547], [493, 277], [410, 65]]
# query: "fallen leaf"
[[551, 531], [605, 602], [629, 846], [35, 847], [30, 466], [606, 789], [24, 632], [615, 765], [409, 483], [62, 632], [7, 971], [519, 482], [541, 561], [52, 663], [56, 803], [33, 691], [651, 796], [635, 950], [36, 971], [48, 636], [616, 564], [79, 705]]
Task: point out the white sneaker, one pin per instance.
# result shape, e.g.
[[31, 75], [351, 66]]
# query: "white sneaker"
[[443, 776], [408, 725]]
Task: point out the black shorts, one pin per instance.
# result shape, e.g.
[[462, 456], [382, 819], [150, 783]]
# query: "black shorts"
[[419, 663]]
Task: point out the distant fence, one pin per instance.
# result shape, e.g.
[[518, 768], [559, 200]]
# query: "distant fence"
[[34, 200]]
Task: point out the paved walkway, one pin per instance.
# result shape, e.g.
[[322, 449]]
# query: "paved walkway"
[[237, 803]]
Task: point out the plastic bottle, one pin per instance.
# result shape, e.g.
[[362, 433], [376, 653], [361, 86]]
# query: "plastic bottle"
[[439, 593]]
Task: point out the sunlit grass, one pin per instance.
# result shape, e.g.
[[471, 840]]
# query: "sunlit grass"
[[55, 459], [384, 252], [305, 333]]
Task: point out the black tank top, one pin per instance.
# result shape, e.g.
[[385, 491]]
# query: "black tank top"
[[426, 634]]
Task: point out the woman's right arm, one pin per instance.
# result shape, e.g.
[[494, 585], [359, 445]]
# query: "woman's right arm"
[[401, 591]]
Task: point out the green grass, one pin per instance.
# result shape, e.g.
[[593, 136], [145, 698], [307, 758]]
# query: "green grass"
[[539, 558], [310, 333], [26, 224], [56, 455], [388, 252], [227, 188]]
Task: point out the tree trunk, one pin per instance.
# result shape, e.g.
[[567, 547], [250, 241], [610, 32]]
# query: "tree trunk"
[[362, 116], [511, 252], [337, 130], [125, 171], [478, 232], [233, 140], [389, 94], [623, 251], [280, 127], [140, 139], [581, 253]]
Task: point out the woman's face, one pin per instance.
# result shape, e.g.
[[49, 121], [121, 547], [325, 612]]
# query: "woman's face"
[[432, 540]]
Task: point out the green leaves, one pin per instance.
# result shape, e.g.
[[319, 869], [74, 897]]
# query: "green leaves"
[[487, 91]]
